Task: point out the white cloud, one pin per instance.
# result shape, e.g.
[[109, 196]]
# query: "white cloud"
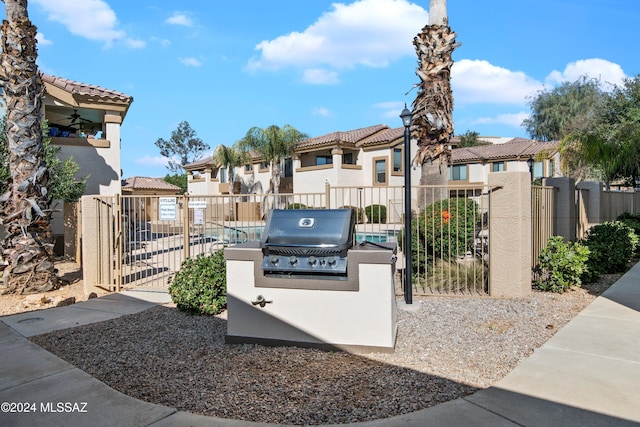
[[91, 19], [191, 62], [322, 112], [42, 40], [607, 72], [152, 161], [319, 76], [514, 120], [478, 81], [135, 44], [391, 109], [366, 32], [179, 18]]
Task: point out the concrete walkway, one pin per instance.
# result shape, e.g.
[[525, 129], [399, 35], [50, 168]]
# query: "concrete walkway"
[[588, 374]]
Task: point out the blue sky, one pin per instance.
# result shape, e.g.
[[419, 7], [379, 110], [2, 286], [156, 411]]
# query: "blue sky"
[[319, 65]]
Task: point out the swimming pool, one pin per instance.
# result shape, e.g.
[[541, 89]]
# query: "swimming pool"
[[377, 237]]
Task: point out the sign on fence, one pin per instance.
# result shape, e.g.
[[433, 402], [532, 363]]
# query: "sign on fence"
[[167, 208]]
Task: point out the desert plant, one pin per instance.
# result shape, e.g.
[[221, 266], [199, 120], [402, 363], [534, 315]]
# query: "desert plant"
[[456, 277], [200, 286], [561, 265], [611, 246], [376, 214]]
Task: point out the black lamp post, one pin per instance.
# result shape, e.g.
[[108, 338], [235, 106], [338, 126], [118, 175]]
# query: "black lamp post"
[[530, 164], [408, 288]]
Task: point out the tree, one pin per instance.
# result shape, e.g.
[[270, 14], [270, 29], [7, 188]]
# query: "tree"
[[471, 139], [230, 158], [610, 142], [182, 148], [557, 112], [273, 144], [433, 106], [27, 250], [177, 179]]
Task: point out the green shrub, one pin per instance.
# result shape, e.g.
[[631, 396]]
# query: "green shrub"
[[296, 206], [561, 265], [443, 230], [377, 214], [201, 284], [611, 246], [633, 222]]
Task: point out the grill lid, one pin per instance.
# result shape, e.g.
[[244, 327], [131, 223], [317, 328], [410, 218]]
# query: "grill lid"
[[320, 230]]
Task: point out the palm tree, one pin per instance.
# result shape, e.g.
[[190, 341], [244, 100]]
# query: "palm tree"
[[433, 106], [27, 261], [273, 144], [230, 158]]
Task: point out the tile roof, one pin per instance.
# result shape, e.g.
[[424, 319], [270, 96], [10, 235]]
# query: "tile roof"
[[515, 148], [77, 88], [348, 137], [383, 137], [146, 183]]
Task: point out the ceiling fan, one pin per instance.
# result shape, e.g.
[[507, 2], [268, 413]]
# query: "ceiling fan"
[[76, 119]]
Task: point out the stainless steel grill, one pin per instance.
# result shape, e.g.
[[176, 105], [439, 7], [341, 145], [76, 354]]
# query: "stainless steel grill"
[[307, 242]]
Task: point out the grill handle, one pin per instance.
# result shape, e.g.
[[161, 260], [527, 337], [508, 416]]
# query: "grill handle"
[[283, 245]]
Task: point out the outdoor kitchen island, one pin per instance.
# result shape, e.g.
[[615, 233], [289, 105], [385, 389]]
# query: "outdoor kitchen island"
[[306, 284]]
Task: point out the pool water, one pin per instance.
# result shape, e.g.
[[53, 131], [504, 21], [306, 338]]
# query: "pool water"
[[382, 237]]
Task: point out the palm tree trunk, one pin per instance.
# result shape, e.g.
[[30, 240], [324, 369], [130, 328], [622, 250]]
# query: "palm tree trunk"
[[433, 106], [27, 250]]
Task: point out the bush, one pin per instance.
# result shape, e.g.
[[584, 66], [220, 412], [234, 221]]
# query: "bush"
[[561, 265], [296, 206], [633, 222], [611, 246], [443, 230], [201, 284], [377, 214]]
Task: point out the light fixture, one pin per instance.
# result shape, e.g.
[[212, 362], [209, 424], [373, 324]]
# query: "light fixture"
[[406, 117]]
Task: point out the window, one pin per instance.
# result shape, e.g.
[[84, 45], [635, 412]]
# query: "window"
[[223, 175], [497, 167], [288, 167], [457, 173], [538, 170], [397, 160], [324, 160], [380, 171], [248, 168], [264, 166], [551, 171], [347, 159]]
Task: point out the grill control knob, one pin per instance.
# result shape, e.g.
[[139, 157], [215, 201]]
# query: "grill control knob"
[[331, 261], [293, 260], [274, 260], [312, 260]]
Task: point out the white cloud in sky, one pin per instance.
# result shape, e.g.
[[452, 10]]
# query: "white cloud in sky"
[[478, 81], [514, 120], [607, 72], [318, 76], [179, 18], [390, 109], [91, 19], [191, 62], [366, 32], [322, 112], [42, 40], [152, 161]]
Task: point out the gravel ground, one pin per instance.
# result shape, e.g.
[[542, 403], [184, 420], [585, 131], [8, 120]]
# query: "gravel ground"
[[448, 348]]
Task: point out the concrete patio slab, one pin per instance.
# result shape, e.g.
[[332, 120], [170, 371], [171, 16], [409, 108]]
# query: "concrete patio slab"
[[27, 363], [583, 381], [73, 398]]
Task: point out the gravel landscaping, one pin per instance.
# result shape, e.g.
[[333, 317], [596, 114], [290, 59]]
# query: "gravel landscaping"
[[447, 348]]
